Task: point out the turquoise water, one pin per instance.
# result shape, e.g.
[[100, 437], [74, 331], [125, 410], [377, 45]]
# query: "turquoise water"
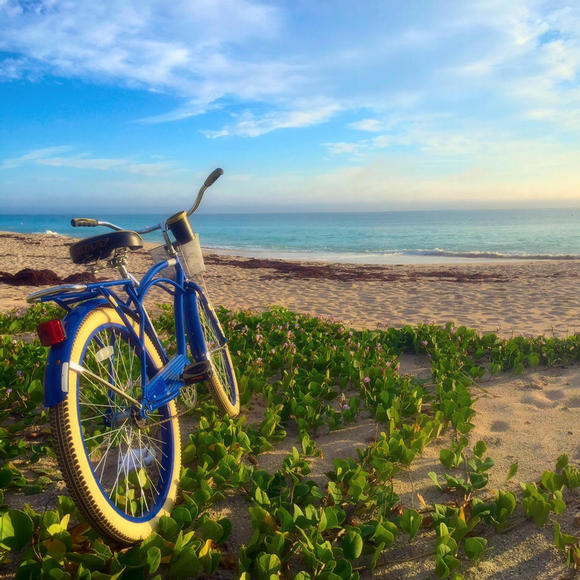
[[362, 237]]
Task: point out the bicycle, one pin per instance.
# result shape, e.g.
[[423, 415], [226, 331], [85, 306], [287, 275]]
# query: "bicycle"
[[111, 387]]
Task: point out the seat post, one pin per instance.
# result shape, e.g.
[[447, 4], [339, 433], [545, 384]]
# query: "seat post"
[[119, 261]]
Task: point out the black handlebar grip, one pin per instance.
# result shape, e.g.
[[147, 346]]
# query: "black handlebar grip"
[[213, 176], [83, 223]]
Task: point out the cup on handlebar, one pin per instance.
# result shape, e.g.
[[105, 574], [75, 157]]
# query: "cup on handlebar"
[[180, 227], [186, 244]]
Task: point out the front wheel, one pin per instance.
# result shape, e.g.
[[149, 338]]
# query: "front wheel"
[[121, 469], [222, 379]]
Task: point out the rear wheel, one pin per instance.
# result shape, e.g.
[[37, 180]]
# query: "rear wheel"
[[121, 469], [222, 380]]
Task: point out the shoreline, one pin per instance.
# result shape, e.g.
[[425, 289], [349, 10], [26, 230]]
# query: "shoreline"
[[529, 297], [353, 258], [395, 258]]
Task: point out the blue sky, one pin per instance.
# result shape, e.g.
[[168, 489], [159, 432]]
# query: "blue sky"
[[307, 105]]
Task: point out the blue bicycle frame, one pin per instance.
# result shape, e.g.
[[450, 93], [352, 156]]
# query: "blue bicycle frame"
[[166, 384]]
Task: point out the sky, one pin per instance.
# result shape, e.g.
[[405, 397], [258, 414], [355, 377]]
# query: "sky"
[[328, 105]]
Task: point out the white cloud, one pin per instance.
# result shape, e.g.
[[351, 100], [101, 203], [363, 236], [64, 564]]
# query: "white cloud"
[[250, 125], [33, 156], [371, 125], [180, 47], [255, 55], [52, 157]]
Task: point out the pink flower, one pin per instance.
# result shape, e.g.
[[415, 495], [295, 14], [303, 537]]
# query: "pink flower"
[[367, 380]]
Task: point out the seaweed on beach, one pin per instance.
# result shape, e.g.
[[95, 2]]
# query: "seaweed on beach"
[[44, 277], [352, 272]]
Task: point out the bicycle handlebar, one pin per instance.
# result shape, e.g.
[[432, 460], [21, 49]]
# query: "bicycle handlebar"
[[213, 177], [91, 223], [83, 223]]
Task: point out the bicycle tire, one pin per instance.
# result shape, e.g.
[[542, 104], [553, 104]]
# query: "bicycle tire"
[[122, 470], [222, 378]]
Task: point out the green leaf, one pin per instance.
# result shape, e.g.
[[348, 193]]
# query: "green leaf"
[[188, 453], [352, 545], [558, 504], [552, 481], [479, 449], [227, 527], [474, 547], [6, 475], [571, 476], [89, 561], [16, 529], [29, 569], [411, 523], [275, 543], [447, 458], [382, 536], [153, 559], [36, 391], [269, 564], [334, 517], [334, 492], [478, 480], [433, 477], [211, 530], [168, 528], [538, 509], [512, 471], [182, 516], [562, 540], [55, 548], [186, 565], [562, 462]]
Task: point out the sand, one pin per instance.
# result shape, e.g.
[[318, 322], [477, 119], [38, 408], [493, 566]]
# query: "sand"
[[519, 297], [530, 418]]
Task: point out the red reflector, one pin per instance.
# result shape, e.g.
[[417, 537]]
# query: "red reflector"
[[51, 332]]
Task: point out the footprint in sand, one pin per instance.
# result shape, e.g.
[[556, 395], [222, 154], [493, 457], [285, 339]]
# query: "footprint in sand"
[[539, 401], [499, 426], [555, 394]]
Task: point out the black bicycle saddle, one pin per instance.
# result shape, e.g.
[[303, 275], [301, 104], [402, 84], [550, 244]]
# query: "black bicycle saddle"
[[102, 247]]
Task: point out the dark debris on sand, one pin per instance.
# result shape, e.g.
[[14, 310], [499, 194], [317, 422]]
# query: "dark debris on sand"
[[34, 277], [351, 272]]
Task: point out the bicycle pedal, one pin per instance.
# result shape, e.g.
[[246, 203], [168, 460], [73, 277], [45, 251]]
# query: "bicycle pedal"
[[196, 372]]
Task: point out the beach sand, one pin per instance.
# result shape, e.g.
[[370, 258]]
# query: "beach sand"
[[519, 297], [529, 419]]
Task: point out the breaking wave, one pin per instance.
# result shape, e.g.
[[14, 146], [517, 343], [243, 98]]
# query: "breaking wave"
[[490, 255]]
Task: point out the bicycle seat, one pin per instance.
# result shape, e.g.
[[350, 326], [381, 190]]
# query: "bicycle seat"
[[102, 247]]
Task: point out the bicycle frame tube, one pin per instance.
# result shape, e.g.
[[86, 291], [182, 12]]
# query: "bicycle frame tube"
[[166, 384]]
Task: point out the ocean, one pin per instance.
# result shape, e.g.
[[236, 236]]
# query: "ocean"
[[374, 238]]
